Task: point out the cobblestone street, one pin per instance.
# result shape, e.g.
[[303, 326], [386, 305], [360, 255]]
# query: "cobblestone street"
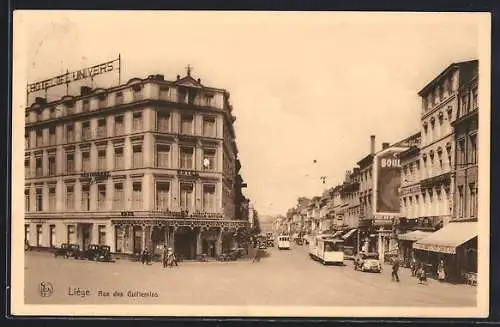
[[280, 278]]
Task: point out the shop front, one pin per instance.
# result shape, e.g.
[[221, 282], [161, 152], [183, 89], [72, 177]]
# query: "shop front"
[[405, 245], [455, 245]]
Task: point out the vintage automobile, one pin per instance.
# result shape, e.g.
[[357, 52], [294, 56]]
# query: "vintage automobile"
[[68, 250], [365, 261], [97, 252]]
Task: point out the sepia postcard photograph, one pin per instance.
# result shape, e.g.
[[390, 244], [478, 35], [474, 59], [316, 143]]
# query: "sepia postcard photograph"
[[246, 163]]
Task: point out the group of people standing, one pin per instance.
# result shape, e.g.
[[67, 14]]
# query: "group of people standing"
[[419, 270], [169, 259]]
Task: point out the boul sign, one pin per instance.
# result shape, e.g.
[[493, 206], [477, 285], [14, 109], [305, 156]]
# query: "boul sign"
[[387, 181]]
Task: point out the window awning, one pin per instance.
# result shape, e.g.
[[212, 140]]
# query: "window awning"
[[349, 234], [414, 235], [448, 238]]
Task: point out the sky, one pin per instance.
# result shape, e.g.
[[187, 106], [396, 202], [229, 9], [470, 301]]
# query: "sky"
[[308, 89]]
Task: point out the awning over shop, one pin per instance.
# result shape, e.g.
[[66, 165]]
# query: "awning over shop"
[[349, 234], [414, 235], [448, 238]]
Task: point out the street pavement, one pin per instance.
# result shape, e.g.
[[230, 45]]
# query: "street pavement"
[[280, 278]]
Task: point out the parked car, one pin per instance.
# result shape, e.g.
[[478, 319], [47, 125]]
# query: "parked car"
[[97, 252], [365, 261], [68, 250]]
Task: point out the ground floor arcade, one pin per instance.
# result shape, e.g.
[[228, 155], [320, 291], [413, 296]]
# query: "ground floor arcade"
[[188, 237]]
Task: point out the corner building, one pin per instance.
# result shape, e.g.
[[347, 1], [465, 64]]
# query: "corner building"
[[143, 164]]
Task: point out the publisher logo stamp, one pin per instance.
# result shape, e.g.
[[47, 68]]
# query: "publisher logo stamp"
[[46, 289]]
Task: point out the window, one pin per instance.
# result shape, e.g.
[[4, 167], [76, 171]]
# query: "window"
[[27, 170], [186, 195], [137, 161], [119, 231], [474, 98], [103, 101], [52, 199], [27, 200], [101, 200], [52, 236], [119, 127], [39, 235], [86, 197], [186, 157], [209, 126], [70, 135], [450, 86], [101, 160], [39, 115], [461, 153], [52, 136], [464, 105], [86, 161], [473, 200], [162, 195], [52, 165], [163, 122], [39, 167], [209, 159], [473, 149], [461, 202], [52, 113], [187, 124], [102, 234], [209, 100], [27, 232], [137, 121], [70, 162], [86, 105], [86, 132], [70, 197], [162, 155], [209, 198], [71, 235], [26, 140], [181, 95], [441, 93], [101, 128], [119, 98], [39, 199], [119, 162], [118, 197], [164, 93], [137, 195], [39, 138], [137, 92]]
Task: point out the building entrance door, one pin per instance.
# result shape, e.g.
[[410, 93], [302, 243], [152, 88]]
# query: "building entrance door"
[[185, 243], [86, 238], [137, 239]]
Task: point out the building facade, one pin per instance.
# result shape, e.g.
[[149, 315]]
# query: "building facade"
[[449, 160], [139, 165]]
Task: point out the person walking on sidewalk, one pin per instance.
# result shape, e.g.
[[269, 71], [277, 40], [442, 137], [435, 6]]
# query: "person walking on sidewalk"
[[395, 269], [440, 271], [256, 257]]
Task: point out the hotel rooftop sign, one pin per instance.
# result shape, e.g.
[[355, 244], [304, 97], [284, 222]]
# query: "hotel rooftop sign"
[[70, 77]]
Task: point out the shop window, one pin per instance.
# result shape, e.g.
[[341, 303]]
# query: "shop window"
[[39, 235], [70, 234], [27, 233], [102, 234], [52, 236]]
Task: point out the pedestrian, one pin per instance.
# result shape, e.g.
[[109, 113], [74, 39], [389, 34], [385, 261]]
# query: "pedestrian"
[[256, 257], [164, 256], [422, 275], [440, 271], [395, 268], [414, 267], [144, 256]]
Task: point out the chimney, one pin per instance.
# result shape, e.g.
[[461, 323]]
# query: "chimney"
[[372, 144], [85, 90], [199, 81], [160, 77], [385, 145]]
